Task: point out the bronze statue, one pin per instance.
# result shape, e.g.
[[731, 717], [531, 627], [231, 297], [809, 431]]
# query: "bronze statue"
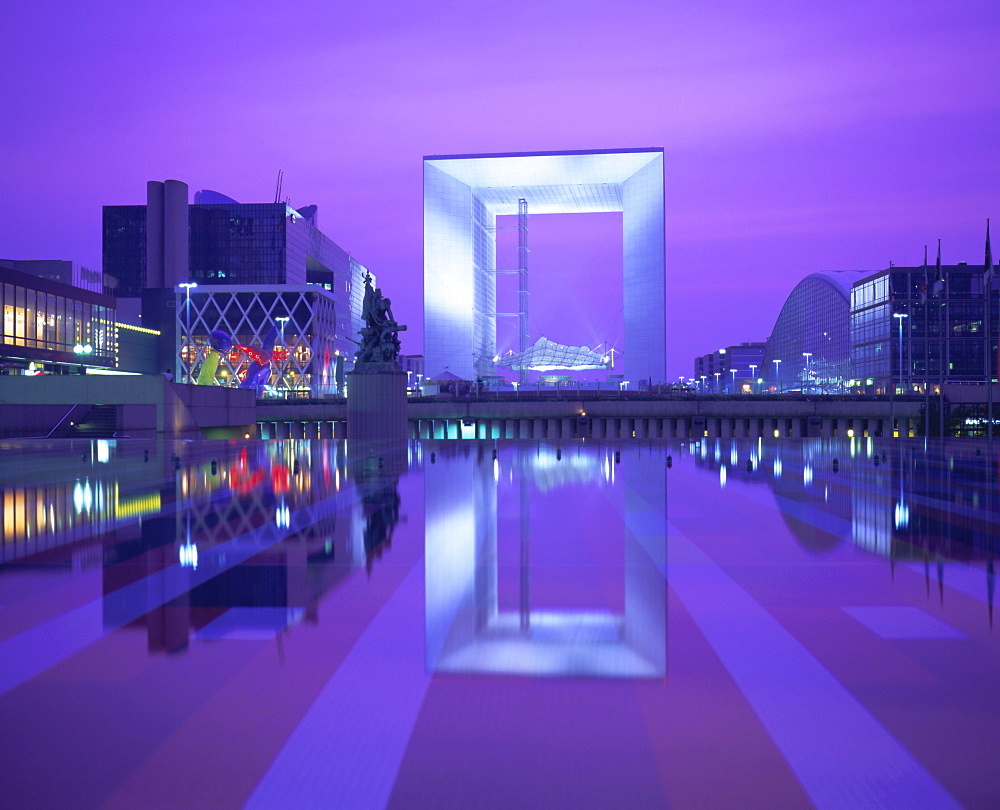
[[380, 334]]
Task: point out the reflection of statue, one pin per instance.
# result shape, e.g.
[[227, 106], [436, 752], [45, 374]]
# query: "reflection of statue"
[[380, 522], [380, 334]]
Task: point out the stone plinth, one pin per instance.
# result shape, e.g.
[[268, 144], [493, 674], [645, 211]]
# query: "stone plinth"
[[376, 403]]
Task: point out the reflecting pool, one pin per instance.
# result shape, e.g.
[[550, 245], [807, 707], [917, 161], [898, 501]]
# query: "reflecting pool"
[[499, 624]]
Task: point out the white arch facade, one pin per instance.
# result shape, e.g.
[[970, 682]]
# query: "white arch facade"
[[464, 194]]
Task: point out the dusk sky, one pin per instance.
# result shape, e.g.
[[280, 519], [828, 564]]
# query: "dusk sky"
[[797, 136]]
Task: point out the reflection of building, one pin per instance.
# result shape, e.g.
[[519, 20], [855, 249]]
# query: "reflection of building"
[[746, 359], [897, 504], [810, 348], [467, 627], [941, 326], [464, 194], [259, 534]]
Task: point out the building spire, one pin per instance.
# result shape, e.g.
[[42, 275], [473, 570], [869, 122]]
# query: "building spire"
[[988, 262], [923, 284], [938, 287]]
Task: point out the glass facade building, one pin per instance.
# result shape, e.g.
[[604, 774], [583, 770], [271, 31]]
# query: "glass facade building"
[[247, 246], [908, 332], [810, 346], [306, 361], [48, 322]]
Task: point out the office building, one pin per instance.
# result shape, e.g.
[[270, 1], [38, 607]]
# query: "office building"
[[737, 368], [54, 328], [264, 262], [910, 329], [65, 272]]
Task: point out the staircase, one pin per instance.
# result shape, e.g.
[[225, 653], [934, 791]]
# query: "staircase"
[[100, 422]]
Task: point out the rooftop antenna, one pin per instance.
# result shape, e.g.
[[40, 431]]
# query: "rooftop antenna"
[[277, 186]]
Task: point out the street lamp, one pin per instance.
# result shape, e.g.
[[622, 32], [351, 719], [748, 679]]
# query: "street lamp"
[[187, 285], [900, 316], [284, 345], [732, 388], [777, 377], [753, 377], [703, 383], [717, 382], [807, 355]]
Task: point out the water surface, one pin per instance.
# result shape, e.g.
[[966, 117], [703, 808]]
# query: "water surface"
[[499, 624]]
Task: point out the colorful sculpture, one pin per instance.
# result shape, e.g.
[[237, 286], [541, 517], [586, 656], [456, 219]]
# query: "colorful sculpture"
[[259, 371], [220, 343]]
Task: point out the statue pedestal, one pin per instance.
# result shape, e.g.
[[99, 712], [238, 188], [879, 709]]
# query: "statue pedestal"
[[376, 403]]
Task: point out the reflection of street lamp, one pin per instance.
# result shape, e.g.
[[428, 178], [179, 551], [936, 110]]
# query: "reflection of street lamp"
[[900, 316], [807, 355], [187, 285], [777, 377], [284, 345]]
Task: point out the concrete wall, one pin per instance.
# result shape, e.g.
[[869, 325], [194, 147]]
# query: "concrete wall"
[[149, 405]]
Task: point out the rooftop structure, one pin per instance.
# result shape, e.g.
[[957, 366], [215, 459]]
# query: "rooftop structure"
[[66, 272]]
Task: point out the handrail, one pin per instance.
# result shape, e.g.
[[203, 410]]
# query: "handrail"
[[65, 417]]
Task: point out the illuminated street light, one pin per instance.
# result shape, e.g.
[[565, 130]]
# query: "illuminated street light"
[[717, 382], [187, 285], [753, 375], [732, 388], [807, 355], [900, 316], [777, 377], [284, 345]]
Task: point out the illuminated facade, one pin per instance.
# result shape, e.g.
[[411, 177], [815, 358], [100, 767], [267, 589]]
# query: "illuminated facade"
[[464, 194], [942, 334], [308, 356], [54, 325], [810, 347], [267, 251]]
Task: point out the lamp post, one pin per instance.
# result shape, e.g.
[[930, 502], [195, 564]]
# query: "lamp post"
[[899, 316], [187, 285], [732, 388], [284, 345], [777, 377], [717, 382], [807, 355], [753, 377], [703, 383]]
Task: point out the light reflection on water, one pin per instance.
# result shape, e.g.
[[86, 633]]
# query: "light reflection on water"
[[523, 561], [212, 507]]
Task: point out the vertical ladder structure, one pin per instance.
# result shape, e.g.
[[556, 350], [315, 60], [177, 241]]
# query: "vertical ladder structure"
[[522, 282]]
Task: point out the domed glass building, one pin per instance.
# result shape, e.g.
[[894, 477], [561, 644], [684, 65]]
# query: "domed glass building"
[[810, 347]]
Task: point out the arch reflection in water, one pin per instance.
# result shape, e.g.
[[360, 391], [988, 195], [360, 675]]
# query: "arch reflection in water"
[[467, 628]]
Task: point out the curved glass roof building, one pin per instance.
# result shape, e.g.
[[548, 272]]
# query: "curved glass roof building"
[[810, 345]]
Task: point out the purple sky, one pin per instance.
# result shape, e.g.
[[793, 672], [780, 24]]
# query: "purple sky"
[[798, 136]]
